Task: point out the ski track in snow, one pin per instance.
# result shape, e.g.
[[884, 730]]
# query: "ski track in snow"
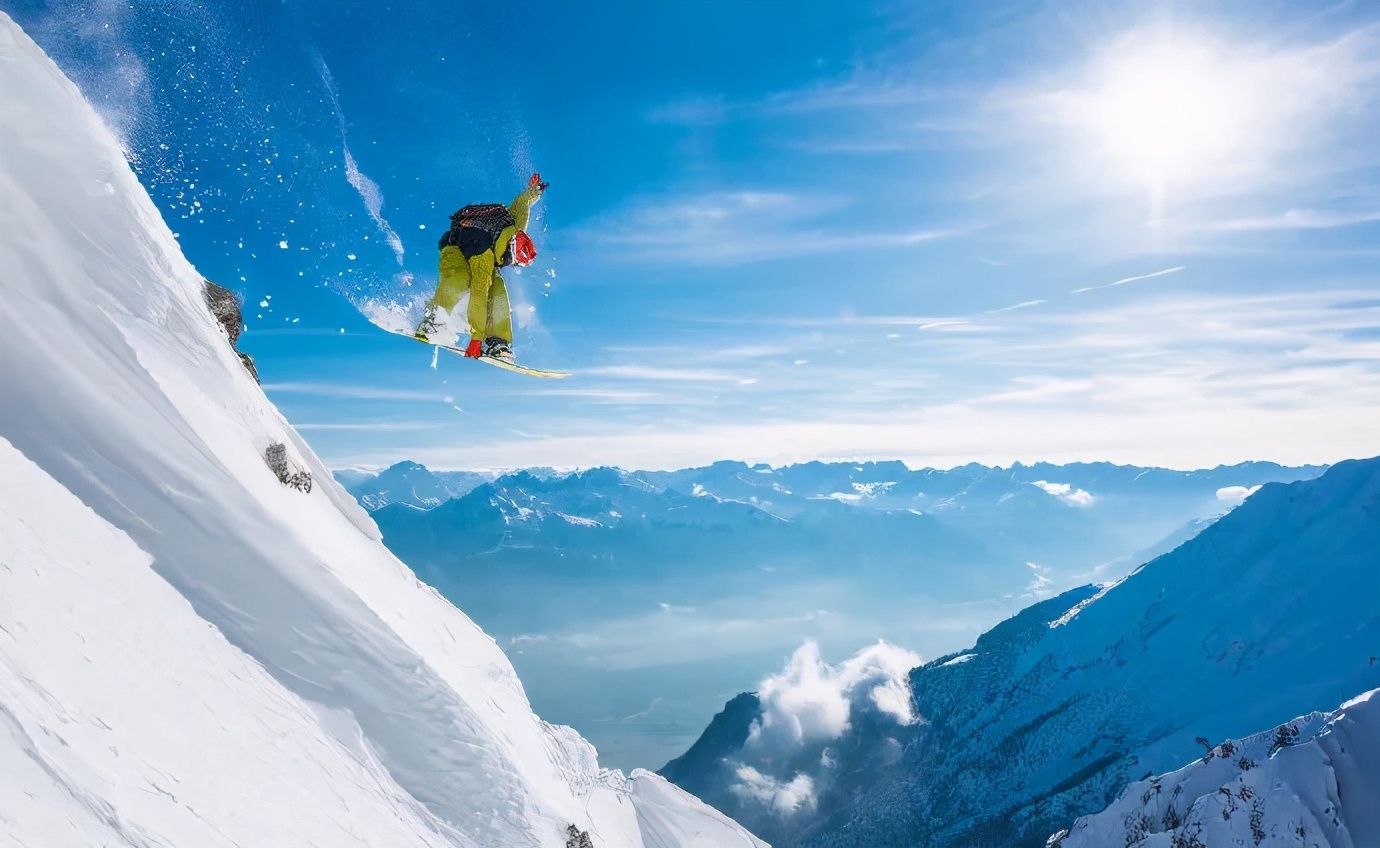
[[191, 652]]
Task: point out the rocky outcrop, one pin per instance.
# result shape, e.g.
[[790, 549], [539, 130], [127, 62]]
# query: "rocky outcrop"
[[225, 305], [1311, 781]]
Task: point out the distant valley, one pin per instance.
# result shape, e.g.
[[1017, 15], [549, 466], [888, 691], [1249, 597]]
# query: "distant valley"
[[660, 594]]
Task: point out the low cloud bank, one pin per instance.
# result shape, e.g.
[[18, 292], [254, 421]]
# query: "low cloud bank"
[[1065, 492], [784, 798], [1234, 496]]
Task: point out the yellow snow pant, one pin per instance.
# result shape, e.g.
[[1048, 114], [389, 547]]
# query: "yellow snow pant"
[[489, 313]]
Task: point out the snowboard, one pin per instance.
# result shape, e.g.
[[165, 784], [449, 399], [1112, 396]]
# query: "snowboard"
[[490, 360]]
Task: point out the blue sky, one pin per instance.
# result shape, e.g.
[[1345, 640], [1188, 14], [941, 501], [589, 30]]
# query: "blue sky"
[[778, 231]]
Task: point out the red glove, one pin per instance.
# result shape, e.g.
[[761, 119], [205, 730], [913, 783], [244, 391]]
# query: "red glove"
[[523, 249], [536, 183], [475, 350]]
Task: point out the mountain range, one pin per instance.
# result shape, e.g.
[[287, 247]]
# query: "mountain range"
[[1269, 613], [677, 588], [408, 483]]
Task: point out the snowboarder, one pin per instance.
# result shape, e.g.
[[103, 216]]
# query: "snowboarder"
[[482, 239]]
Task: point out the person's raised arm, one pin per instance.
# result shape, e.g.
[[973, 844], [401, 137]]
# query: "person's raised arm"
[[522, 204]]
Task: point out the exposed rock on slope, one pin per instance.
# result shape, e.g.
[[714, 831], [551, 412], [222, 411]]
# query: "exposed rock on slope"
[[225, 305]]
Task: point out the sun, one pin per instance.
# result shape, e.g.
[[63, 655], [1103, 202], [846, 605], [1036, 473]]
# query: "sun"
[[1169, 112], [1166, 113]]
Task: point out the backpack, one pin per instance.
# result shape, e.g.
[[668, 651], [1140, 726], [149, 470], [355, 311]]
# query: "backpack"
[[475, 229]]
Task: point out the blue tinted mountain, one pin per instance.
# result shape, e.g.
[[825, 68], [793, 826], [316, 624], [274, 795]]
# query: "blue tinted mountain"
[[1267, 614], [615, 541], [1073, 517], [640, 576], [409, 483]]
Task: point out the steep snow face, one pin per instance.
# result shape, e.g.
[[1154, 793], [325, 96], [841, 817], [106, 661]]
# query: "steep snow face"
[[190, 652], [1312, 781]]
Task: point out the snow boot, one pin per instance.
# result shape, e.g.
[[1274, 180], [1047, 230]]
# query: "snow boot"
[[496, 348]]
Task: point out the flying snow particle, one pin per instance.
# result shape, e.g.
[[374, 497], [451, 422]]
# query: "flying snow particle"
[[351, 257], [283, 244], [263, 304]]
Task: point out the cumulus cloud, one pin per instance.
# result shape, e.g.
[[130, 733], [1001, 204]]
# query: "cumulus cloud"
[[1066, 493], [811, 701], [1234, 496], [808, 707]]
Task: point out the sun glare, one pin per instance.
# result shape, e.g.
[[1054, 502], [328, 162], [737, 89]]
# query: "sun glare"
[[1171, 113], [1167, 114]]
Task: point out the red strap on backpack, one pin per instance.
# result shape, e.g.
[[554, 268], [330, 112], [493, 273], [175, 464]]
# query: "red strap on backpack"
[[524, 251]]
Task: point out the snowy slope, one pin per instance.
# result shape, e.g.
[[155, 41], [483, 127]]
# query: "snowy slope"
[[1313, 781], [190, 652]]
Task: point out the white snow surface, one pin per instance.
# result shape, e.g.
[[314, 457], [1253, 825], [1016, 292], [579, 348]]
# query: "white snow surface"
[[1318, 790], [190, 652]]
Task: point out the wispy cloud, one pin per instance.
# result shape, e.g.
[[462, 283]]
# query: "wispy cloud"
[[946, 324], [1161, 380], [1022, 305], [677, 375], [1297, 219], [600, 394], [711, 109], [1126, 280], [733, 228]]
